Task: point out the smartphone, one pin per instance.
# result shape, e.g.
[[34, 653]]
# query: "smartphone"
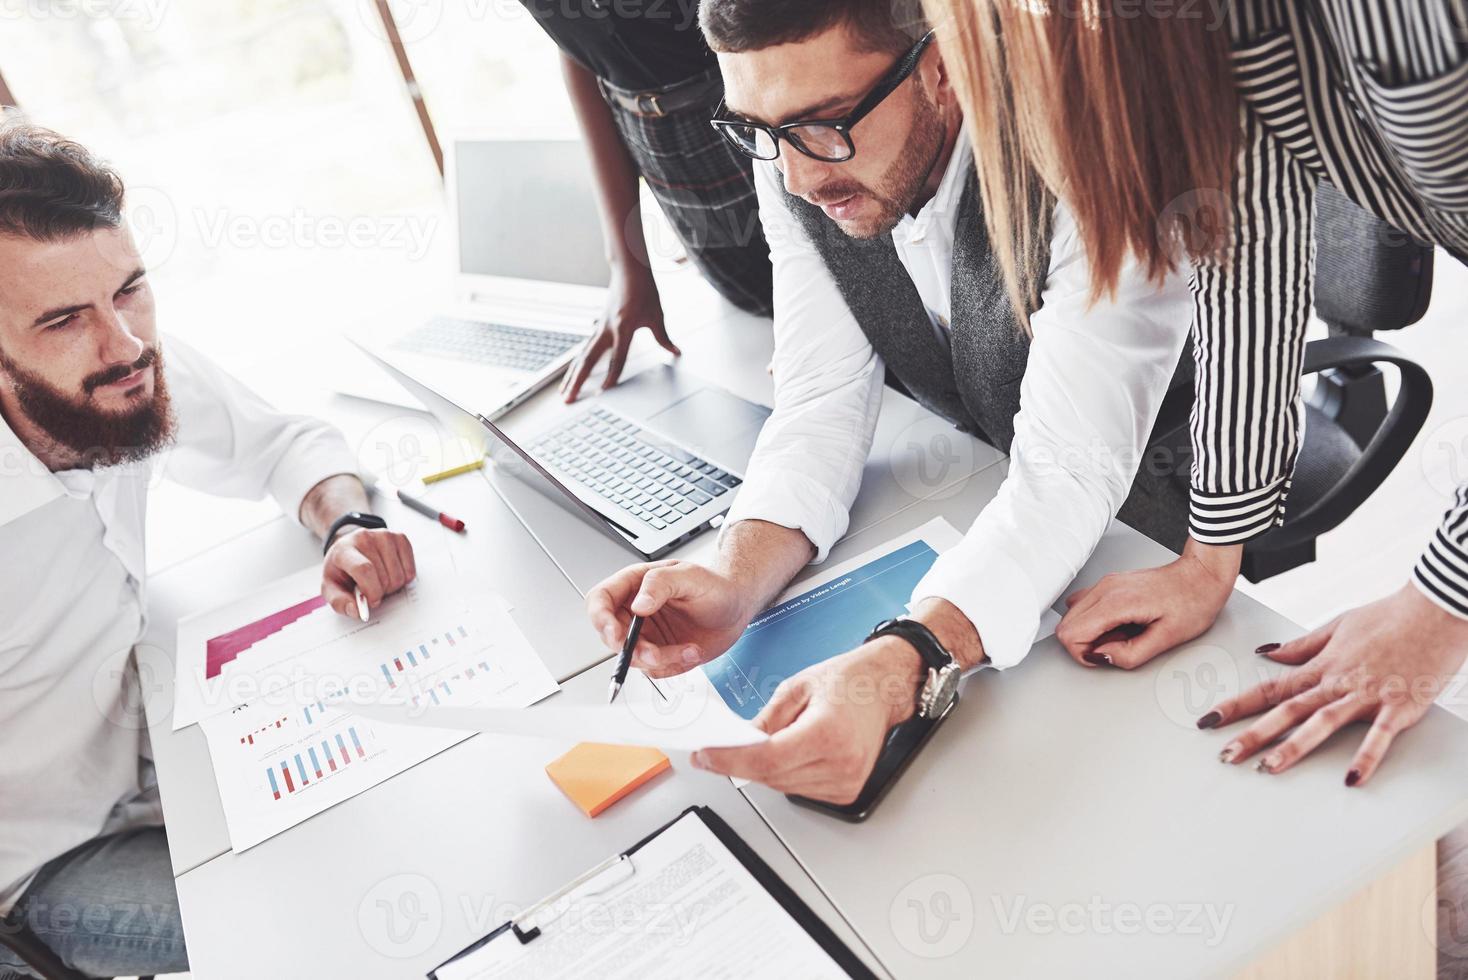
[[903, 744]]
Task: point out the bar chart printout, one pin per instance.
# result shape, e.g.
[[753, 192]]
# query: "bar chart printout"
[[293, 771], [252, 645], [257, 643], [223, 649], [277, 763]]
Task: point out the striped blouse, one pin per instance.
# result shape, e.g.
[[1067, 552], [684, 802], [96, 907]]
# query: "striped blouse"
[[1372, 97]]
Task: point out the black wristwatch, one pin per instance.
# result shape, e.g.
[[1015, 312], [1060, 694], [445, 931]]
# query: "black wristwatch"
[[352, 518], [936, 697], [939, 688]]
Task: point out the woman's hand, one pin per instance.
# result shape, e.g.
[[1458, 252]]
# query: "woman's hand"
[[1128, 618], [632, 303], [1386, 662]]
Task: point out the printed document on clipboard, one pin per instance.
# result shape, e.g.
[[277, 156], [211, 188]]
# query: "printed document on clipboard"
[[690, 900]]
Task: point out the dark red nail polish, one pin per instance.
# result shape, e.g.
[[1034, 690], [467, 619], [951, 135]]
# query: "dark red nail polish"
[[1097, 659], [1267, 648], [1353, 777], [1209, 720]]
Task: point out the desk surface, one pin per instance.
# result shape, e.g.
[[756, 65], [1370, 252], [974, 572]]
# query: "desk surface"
[[1056, 806], [1069, 822], [394, 881]]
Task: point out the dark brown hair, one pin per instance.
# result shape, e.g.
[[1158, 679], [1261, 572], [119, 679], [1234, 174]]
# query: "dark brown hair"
[[752, 25], [1132, 120], [50, 187]]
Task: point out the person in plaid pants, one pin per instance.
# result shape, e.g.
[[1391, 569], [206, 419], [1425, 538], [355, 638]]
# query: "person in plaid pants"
[[644, 86]]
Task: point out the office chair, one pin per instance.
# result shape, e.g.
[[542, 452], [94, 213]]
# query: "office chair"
[[37, 955], [1368, 277]]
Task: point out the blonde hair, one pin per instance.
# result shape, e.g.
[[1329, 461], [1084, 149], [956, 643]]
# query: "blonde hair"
[[1129, 117]]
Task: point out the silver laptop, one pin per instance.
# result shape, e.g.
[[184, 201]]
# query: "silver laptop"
[[532, 275], [650, 463]]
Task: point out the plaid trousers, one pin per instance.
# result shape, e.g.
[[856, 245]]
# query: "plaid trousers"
[[706, 189]]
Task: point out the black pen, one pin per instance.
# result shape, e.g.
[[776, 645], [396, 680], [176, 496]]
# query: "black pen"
[[619, 677]]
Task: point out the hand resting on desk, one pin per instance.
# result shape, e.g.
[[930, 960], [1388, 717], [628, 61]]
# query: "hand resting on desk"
[[1384, 663]]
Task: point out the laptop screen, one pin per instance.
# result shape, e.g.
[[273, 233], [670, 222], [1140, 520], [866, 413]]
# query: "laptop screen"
[[527, 210]]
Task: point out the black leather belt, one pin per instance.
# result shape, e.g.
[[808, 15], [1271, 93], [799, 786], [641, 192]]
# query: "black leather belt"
[[700, 90]]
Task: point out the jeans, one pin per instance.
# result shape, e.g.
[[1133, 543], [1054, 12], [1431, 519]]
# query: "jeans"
[[107, 908]]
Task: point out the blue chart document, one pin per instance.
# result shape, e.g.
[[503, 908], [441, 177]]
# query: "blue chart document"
[[826, 620]]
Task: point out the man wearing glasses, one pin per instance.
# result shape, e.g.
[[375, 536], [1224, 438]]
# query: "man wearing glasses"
[[882, 265]]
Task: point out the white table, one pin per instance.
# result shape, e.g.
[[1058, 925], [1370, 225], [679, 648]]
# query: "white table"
[[1059, 804], [398, 879], [1051, 784]]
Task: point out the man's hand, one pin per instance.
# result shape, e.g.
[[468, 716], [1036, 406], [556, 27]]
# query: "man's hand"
[[1386, 661], [632, 303], [1128, 618], [377, 562], [828, 723], [692, 614]]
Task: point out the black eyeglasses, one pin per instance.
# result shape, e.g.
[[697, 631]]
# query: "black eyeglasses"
[[828, 140]]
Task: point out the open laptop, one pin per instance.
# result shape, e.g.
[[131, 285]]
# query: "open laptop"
[[650, 463], [532, 275]]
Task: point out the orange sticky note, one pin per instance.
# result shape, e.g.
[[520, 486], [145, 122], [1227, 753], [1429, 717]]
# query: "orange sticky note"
[[595, 776]]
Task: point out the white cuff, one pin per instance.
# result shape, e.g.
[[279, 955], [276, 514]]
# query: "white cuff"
[[315, 455], [791, 500], [996, 595]]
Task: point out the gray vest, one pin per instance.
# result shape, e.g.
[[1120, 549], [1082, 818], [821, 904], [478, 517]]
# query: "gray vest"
[[976, 384]]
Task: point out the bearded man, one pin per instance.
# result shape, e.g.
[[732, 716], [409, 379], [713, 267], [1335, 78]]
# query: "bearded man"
[[86, 406]]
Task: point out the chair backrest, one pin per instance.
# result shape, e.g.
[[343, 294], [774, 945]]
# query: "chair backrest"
[[1368, 275]]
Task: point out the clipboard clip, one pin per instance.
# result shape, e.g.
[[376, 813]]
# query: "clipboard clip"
[[527, 925]]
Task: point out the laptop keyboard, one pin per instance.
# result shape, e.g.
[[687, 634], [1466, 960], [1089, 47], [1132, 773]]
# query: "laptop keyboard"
[[526, 348], [657, 483]]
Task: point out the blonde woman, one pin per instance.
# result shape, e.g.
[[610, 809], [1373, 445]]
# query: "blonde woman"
[[1150, 119]]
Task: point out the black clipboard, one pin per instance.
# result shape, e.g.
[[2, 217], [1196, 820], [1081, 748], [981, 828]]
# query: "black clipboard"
[[782, 893]]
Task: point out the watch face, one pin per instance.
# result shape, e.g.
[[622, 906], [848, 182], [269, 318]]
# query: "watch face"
[[939, 690]]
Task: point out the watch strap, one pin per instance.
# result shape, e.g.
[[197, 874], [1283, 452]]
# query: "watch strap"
[[352, 518], [932, 651]]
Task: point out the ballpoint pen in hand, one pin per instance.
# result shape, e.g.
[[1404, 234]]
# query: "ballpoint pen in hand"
[[624, 662]]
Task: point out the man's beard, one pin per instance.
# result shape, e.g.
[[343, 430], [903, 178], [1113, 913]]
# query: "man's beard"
[[96, 437], [902, 184]]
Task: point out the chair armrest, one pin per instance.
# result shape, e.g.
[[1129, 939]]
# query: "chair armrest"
[[1382, 453]]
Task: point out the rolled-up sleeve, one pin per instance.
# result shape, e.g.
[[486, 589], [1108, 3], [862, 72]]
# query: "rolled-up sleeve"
[[807, 464], [231, 442], [1096, 377]]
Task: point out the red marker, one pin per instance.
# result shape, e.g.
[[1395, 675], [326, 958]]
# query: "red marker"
[[452, 523]]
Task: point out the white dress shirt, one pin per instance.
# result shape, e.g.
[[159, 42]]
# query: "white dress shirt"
[[1095, 379], [75, 760]]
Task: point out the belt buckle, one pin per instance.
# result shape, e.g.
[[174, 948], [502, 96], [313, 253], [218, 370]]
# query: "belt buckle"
[[648, 105]]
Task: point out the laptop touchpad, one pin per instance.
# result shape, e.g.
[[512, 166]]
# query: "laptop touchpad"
[[712, 419]]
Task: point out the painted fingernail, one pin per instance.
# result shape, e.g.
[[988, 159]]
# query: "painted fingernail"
[[1353, 777], [1266, 648], [1097, 659], [1228, 753], [1266, 765], [1209, 720]]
